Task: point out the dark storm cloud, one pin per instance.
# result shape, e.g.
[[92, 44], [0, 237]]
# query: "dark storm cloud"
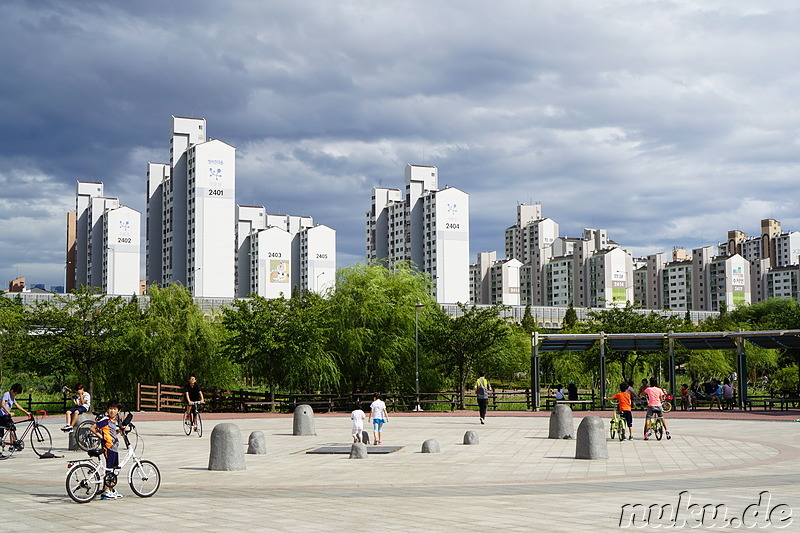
[[667, 123]]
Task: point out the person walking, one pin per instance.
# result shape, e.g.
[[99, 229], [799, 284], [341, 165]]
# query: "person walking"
[[378, 416], [482, 389]]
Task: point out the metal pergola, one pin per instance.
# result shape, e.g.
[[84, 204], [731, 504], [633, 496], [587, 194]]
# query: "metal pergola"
[[655, 342]]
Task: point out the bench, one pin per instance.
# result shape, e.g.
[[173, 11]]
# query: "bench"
[[584, 404]]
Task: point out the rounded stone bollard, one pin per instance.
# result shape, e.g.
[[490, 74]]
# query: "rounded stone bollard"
[[73, 435], [256, 443], [304, 421], [471, 437], [561, 423], [365, 437], [591, 441], [430, 446], [227, 451], [358, 451]]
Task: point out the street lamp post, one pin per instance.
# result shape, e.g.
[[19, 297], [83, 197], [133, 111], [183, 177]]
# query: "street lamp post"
[[417, 308]]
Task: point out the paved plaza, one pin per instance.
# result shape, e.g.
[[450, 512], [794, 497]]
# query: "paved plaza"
[[515, 479]]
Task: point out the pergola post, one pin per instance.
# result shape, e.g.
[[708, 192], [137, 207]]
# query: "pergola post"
[[536, 399], [741, 371], [671, 372], [602, 371]]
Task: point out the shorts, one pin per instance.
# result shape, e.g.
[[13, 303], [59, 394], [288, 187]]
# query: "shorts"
[[654, 411], [358, 431], [80, 409], [377, 424], [628, 417], [112, 459], [5, 421]]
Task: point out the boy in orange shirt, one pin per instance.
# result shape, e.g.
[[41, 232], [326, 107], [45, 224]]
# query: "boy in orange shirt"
[[624, 407]]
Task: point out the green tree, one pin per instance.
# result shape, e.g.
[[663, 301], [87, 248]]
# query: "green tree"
[[12, 329], [528, 322], [370, 320], [172, 339], [280, 341], [570, 317], [465, 340], [84, 330]]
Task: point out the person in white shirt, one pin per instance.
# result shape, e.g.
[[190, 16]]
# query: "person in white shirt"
[[378, 416], [82, 402], [7, 403], [358, 416]]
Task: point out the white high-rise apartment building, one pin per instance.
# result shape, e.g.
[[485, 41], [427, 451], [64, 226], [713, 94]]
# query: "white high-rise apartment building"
[[610, 281], [192, 203], [272, 253], [107, 243], [317, 259], [429, 228], [121, 250]]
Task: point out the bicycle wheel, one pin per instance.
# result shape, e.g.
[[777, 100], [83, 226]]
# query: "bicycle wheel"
[[41, 441], [144, 479], [621, 429], [84, 438], [199, 424], [659, 430], [83, 483], [613, 429], [187, 424], [666, 407]]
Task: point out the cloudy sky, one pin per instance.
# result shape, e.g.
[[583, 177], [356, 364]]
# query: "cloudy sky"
[[666, 122]]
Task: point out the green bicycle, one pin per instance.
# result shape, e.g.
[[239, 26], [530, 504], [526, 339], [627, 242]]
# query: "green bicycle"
[[617, 425]]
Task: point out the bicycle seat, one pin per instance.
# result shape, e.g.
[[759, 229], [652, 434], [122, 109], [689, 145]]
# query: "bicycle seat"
[[95, 453]]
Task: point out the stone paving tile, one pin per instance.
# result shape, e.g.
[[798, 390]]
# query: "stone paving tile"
[[514, 480]]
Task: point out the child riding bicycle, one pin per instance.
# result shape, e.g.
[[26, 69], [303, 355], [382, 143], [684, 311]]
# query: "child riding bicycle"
[[106, 430], [655, 395], [7, 403]]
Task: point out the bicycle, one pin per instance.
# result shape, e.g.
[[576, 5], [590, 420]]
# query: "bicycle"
[[88, 441], [86, 477], [194, 421], [666, 405], [41, 441], [617, 425]]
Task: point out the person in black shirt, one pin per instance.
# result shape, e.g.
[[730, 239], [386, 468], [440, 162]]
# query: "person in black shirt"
[[192, 393]]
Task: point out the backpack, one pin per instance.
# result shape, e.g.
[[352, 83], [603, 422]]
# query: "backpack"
[[483, 391]]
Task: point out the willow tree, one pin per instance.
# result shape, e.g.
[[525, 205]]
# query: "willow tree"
[[280, 341], [371, 322], [172, 339]]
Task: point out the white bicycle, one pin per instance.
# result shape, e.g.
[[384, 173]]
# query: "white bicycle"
[[86, 477]]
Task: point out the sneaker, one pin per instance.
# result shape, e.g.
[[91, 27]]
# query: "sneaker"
[[108, 495], [630, 437], [482, 422], [67, 428], [668, 435], [116, 495]]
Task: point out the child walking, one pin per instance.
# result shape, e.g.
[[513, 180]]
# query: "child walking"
[[358, 416], [623, 398], [378, 416]]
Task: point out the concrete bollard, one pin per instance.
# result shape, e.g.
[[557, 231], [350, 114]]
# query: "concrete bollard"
[[471, 437], [227, 451], [561, 423], [591, 441], [73, 435], [304, 421], [358, 451], [256, 443], [430, 446], [365, 437]]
